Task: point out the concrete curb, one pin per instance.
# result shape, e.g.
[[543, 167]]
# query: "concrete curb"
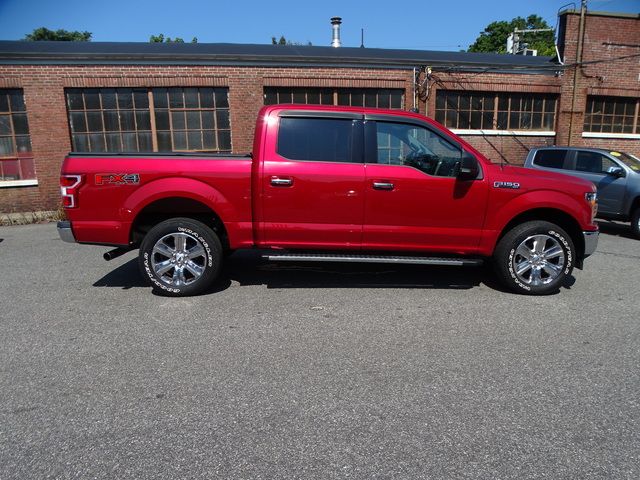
[[27, 218]]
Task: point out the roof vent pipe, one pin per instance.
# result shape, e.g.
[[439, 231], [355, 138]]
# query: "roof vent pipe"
[[335, 25]]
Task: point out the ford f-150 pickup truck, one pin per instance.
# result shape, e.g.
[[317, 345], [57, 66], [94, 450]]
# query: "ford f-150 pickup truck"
[[329, 183]]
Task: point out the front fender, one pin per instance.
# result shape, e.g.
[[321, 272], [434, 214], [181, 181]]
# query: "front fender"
[[505, 211]]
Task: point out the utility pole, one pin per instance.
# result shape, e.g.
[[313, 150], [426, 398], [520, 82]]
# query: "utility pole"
[[513, 40], [577, 69]]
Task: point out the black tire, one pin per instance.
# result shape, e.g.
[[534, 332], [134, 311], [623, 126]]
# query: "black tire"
[[534, 258], [180, 257], [635, 222]]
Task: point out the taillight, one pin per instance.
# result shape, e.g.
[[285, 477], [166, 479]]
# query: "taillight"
[[69, 185]]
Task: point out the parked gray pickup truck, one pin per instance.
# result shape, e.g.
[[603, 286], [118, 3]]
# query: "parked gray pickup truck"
[[615, 174]]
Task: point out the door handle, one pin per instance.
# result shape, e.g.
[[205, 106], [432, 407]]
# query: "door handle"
[[383, 186], [281, 182]]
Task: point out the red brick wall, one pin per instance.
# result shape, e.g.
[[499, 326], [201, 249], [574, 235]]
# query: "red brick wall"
[[605, 37], [44, 86]]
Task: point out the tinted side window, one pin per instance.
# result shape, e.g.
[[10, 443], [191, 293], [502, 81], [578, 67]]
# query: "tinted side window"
[[550, 158], [593, 162], [316, 139]]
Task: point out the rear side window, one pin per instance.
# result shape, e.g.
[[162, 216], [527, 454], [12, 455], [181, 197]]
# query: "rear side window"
[[316, 139], [550, 158]]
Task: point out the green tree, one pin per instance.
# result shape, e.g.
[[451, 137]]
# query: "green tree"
[[493, 38], [284, 41], [42, 33], [162, 39]]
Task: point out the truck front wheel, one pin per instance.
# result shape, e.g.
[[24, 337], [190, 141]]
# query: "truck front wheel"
[[534, 258], [635, 222], [180, 257]]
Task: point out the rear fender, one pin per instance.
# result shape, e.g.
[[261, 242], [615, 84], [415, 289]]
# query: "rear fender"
[[178, 187]]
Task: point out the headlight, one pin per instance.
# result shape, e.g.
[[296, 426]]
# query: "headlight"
[[592, 199]]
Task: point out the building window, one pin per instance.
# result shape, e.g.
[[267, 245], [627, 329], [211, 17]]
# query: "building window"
[[16, 158], [149, 120], [496, 111], [355, 97], [612, 115]]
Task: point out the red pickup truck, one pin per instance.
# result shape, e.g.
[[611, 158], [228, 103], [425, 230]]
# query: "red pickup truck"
[[331, 184]]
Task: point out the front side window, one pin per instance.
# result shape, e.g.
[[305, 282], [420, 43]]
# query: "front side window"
[[593, 162], [149, 120], [417, 147], [316, 139], [550, 158], [629, 160], [16, 158]]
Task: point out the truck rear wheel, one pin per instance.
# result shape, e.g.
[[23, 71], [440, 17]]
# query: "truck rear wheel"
[[180, 257], [534, 258]]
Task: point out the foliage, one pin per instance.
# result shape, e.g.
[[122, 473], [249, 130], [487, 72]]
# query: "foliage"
[[162, 39], [42, 33], [493, 38], [284, 41]]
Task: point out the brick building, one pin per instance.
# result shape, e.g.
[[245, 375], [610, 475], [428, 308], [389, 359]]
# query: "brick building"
[[57, 97]]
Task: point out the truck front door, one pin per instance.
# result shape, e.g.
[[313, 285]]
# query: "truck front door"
[[413, 200]]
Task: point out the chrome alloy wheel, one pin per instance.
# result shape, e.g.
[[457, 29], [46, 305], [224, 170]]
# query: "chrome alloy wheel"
[[178, 259], [538, 260]]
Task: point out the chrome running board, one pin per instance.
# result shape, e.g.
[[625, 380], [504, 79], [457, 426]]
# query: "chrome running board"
[[351, 258]]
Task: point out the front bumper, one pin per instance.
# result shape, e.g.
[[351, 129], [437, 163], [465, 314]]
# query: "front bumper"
[[65, 232], [590, 242]]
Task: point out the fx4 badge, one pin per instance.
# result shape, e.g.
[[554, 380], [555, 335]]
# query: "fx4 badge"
[[513, 185], [117, 178]]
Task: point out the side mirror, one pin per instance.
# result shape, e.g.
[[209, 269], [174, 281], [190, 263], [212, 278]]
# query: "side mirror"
[[467, 168], [617, 172]]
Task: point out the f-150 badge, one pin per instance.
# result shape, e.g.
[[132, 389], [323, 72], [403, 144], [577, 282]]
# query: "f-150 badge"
[[513, 185], [117, 178]]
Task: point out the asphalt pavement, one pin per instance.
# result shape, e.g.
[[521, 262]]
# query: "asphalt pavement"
[[314, 371]]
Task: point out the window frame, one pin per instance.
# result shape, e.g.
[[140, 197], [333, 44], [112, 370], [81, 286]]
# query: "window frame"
[[590, 115], [497, 110], [25, 168], [371, 142], [334, 94], [355, 149], [152, 108]]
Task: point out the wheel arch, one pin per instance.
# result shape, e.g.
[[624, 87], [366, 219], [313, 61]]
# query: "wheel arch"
[[172, 207], [635, 204], [555, 216]]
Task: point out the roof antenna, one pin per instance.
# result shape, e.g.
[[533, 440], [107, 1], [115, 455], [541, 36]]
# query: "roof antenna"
[[362, 38]]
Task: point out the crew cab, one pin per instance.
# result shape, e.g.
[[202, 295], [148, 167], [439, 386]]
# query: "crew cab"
[[615, 174], [328, 183]]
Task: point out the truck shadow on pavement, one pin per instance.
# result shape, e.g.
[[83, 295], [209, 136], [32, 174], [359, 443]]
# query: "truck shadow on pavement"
[[617, 229], [248, 268]]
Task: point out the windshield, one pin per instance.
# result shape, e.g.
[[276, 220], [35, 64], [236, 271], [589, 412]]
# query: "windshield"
[[629, 160]]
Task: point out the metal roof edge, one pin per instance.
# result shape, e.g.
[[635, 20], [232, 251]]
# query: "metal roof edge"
[[596, 13], [111, 53]]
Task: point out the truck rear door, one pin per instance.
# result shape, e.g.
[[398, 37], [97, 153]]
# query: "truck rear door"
[[312, 182]]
